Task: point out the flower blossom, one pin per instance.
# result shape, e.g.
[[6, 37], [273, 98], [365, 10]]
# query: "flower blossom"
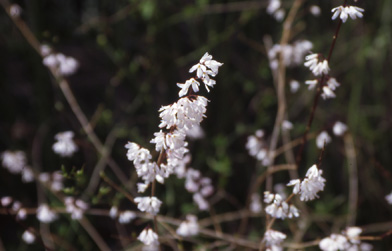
[[28, 237], [292, 54], [274, 9], [149, 238], [148, 204], [255, 203], [310, 186], [278, 207], [189, 227], [345, 11], [347, 240], [317, 67], [273, 239], [64, 146], [339, 128], [322, 138], [204, 69], [62, 64], [75, 207], [44, 214], [126, 217], [14, 161]]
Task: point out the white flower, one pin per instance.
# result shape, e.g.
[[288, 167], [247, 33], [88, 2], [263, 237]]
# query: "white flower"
[[345, 11], [274, 238], [333, 243], [45, 50], [317, 67], [14, 161], [339, 128], [159, 141], [44, 214], [15, 10], [311, 83], [255, 203], [126, 217], [279, 208], [148, 237], [315, 10], [142, 187], [353, 233], [287, 125], [22, 214], [148, 204], [273, 6], [62, 64], [256, 146], [322, 138], [184, 87], [27, 175], [389, 198], [310, 186], [204, 69], [28, 237], [196, 132], [113, 212], [327, 93], [65, 146], [201, 202], [332, 83], [190, 227], [294, 86], [75, 207], [6, 201]]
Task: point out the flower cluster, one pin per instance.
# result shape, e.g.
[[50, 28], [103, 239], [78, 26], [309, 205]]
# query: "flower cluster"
[[75, 207], [60, 63], [16, 163], [64, 146], [292, 54], [317, 66], [273, 239], [348, 240], [200, 187], [189, 227], [322, 138], [257, 147], [54, 180], [149, 239], [45, 214], [148, 204], [274, 8], [279, 208], [345, 11], [310, 186], [16, 207]]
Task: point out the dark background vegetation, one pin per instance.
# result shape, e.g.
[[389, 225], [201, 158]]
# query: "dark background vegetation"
[[132, 53]]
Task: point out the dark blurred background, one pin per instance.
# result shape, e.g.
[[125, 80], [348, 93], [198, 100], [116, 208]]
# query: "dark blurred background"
[[132, 53]]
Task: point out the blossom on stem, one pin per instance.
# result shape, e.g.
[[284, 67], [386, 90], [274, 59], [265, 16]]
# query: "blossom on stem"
[[75, 207], [184, 87], [347, 240], [317, 67], [28, 237], [343, 12], [279, 208], [148, 237], [255, 203], [126, 217], [310, 186], [189, 227], [322, 138], [64, 146], [14, 161], [339, 128], [273, 239], [44, 214], [148, 204]]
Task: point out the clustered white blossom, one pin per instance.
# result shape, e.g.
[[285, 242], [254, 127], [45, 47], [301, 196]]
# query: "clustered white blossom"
[[255, 203], [75, 207], [348, 240], [292, 54], [315, 65], [279, 208], [60, 63], [389, 198], [189, 227], [65, 146], [148, 204], [15, 162], [28, 237], [310, 186], [45, 214], [273, 240], [149, 239], [322, 138], [126, 216], [54, 180], [200, 187], [328, 89], [274, 8], [16, 207], [287, 125], [345, 11], [339, 128], [257, 147]]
